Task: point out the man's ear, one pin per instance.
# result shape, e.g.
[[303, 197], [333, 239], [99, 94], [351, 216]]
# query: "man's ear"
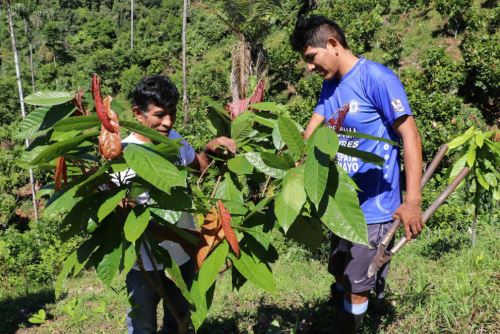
[[332, 42], [137, 113]]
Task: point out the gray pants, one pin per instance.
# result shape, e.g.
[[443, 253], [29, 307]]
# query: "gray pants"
[[141, 319], [351, 261]]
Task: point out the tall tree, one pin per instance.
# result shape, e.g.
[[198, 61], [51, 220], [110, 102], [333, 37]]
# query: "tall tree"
[[131, 24], [32, 19], [250, 22], [185, 103], [21, 96]]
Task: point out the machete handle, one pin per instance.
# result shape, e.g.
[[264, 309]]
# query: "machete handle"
[[388, 236], [435, 205]]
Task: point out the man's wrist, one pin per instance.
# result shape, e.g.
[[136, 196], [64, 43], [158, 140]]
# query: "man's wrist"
[[413, 200]]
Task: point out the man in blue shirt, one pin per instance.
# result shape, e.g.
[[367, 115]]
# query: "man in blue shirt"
[[376, 105]]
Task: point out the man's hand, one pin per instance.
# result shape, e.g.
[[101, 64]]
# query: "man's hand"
[[221, 142], [410, 215]]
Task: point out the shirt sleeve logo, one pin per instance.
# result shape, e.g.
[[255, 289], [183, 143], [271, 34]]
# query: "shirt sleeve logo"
[[397, 106]]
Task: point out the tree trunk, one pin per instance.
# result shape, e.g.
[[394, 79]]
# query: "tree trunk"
[[21, 99], [131, 24], [185, 103], [28, 37]]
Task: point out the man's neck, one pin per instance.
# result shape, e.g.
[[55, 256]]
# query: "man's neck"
[[346, 63], [141, 137]]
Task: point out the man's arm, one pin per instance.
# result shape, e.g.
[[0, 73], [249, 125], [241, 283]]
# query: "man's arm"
[[315, 120], [202, 160], [409, 212]]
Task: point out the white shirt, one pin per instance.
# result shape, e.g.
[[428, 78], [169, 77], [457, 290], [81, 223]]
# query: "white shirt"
[[186, 157]]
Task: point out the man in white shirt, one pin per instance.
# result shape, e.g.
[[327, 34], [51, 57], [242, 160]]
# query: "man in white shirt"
[[154, 102]]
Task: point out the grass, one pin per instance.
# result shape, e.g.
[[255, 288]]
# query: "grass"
[[437, 285]]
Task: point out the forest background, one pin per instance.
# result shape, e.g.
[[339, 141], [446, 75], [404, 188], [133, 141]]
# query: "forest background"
[[446, 53]]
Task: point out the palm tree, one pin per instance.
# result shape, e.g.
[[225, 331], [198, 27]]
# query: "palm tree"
[[250, 22], [21, 96], [185, 104], [32, 19]]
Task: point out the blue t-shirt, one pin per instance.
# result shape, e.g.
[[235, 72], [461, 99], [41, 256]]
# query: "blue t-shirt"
[[376, 99]]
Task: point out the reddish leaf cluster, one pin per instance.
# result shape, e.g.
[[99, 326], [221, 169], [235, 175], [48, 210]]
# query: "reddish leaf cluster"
[[216, 227], [61, 173], [239, 106], [110, 145]]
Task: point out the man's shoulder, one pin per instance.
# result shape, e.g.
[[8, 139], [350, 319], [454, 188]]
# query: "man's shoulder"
[[376, 71]]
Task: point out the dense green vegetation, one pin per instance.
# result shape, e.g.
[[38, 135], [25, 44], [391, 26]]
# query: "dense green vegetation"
[[446, 52]]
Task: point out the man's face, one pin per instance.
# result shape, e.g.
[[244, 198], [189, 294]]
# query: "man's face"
[[158, 118], [322, 61]]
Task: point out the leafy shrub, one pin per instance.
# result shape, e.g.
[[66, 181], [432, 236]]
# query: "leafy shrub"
[[482, 67], [455, 13], [443, 73], [33, 257], [390, 43], [407, 5]]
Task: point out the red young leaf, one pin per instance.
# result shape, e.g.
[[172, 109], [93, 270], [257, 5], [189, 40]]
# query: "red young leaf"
[[60, 173], [211, 236], [238, 107], [110, 145], [225, 219], [99, 105]]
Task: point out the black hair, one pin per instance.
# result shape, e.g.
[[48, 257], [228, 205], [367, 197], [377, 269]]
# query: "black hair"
[[157, 90], [314, 30]]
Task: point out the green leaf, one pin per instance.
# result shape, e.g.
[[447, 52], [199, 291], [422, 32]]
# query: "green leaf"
[[136, 223], [77, 123], [240, 165], [42, 119], [242, 126], [306, 231], [479, 139], [325, 140], [109, 265], [455, 169], [471, 155], [365, 156], [177, 200], [67, 267], [220, 124], [316, 175], [215, 106], [230, 195], [110, 204], [255, 159], [491, 179], [48, 98], [284, 162], [365, 136], [267, 120], [254, 270], [343, 215], [257, 232], [38, 318], [211, 267], [277, 141], [128, 258], [269, 106], [458, 141], [148, 132], [482, 181], [291, 136], [56, 150], [156, 170], [291, 198]]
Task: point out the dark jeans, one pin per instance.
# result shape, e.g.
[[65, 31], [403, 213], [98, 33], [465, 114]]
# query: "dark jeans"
[[141, 319]]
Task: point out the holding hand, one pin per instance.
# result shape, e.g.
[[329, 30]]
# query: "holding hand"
[[227, 144], [410, 215]]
